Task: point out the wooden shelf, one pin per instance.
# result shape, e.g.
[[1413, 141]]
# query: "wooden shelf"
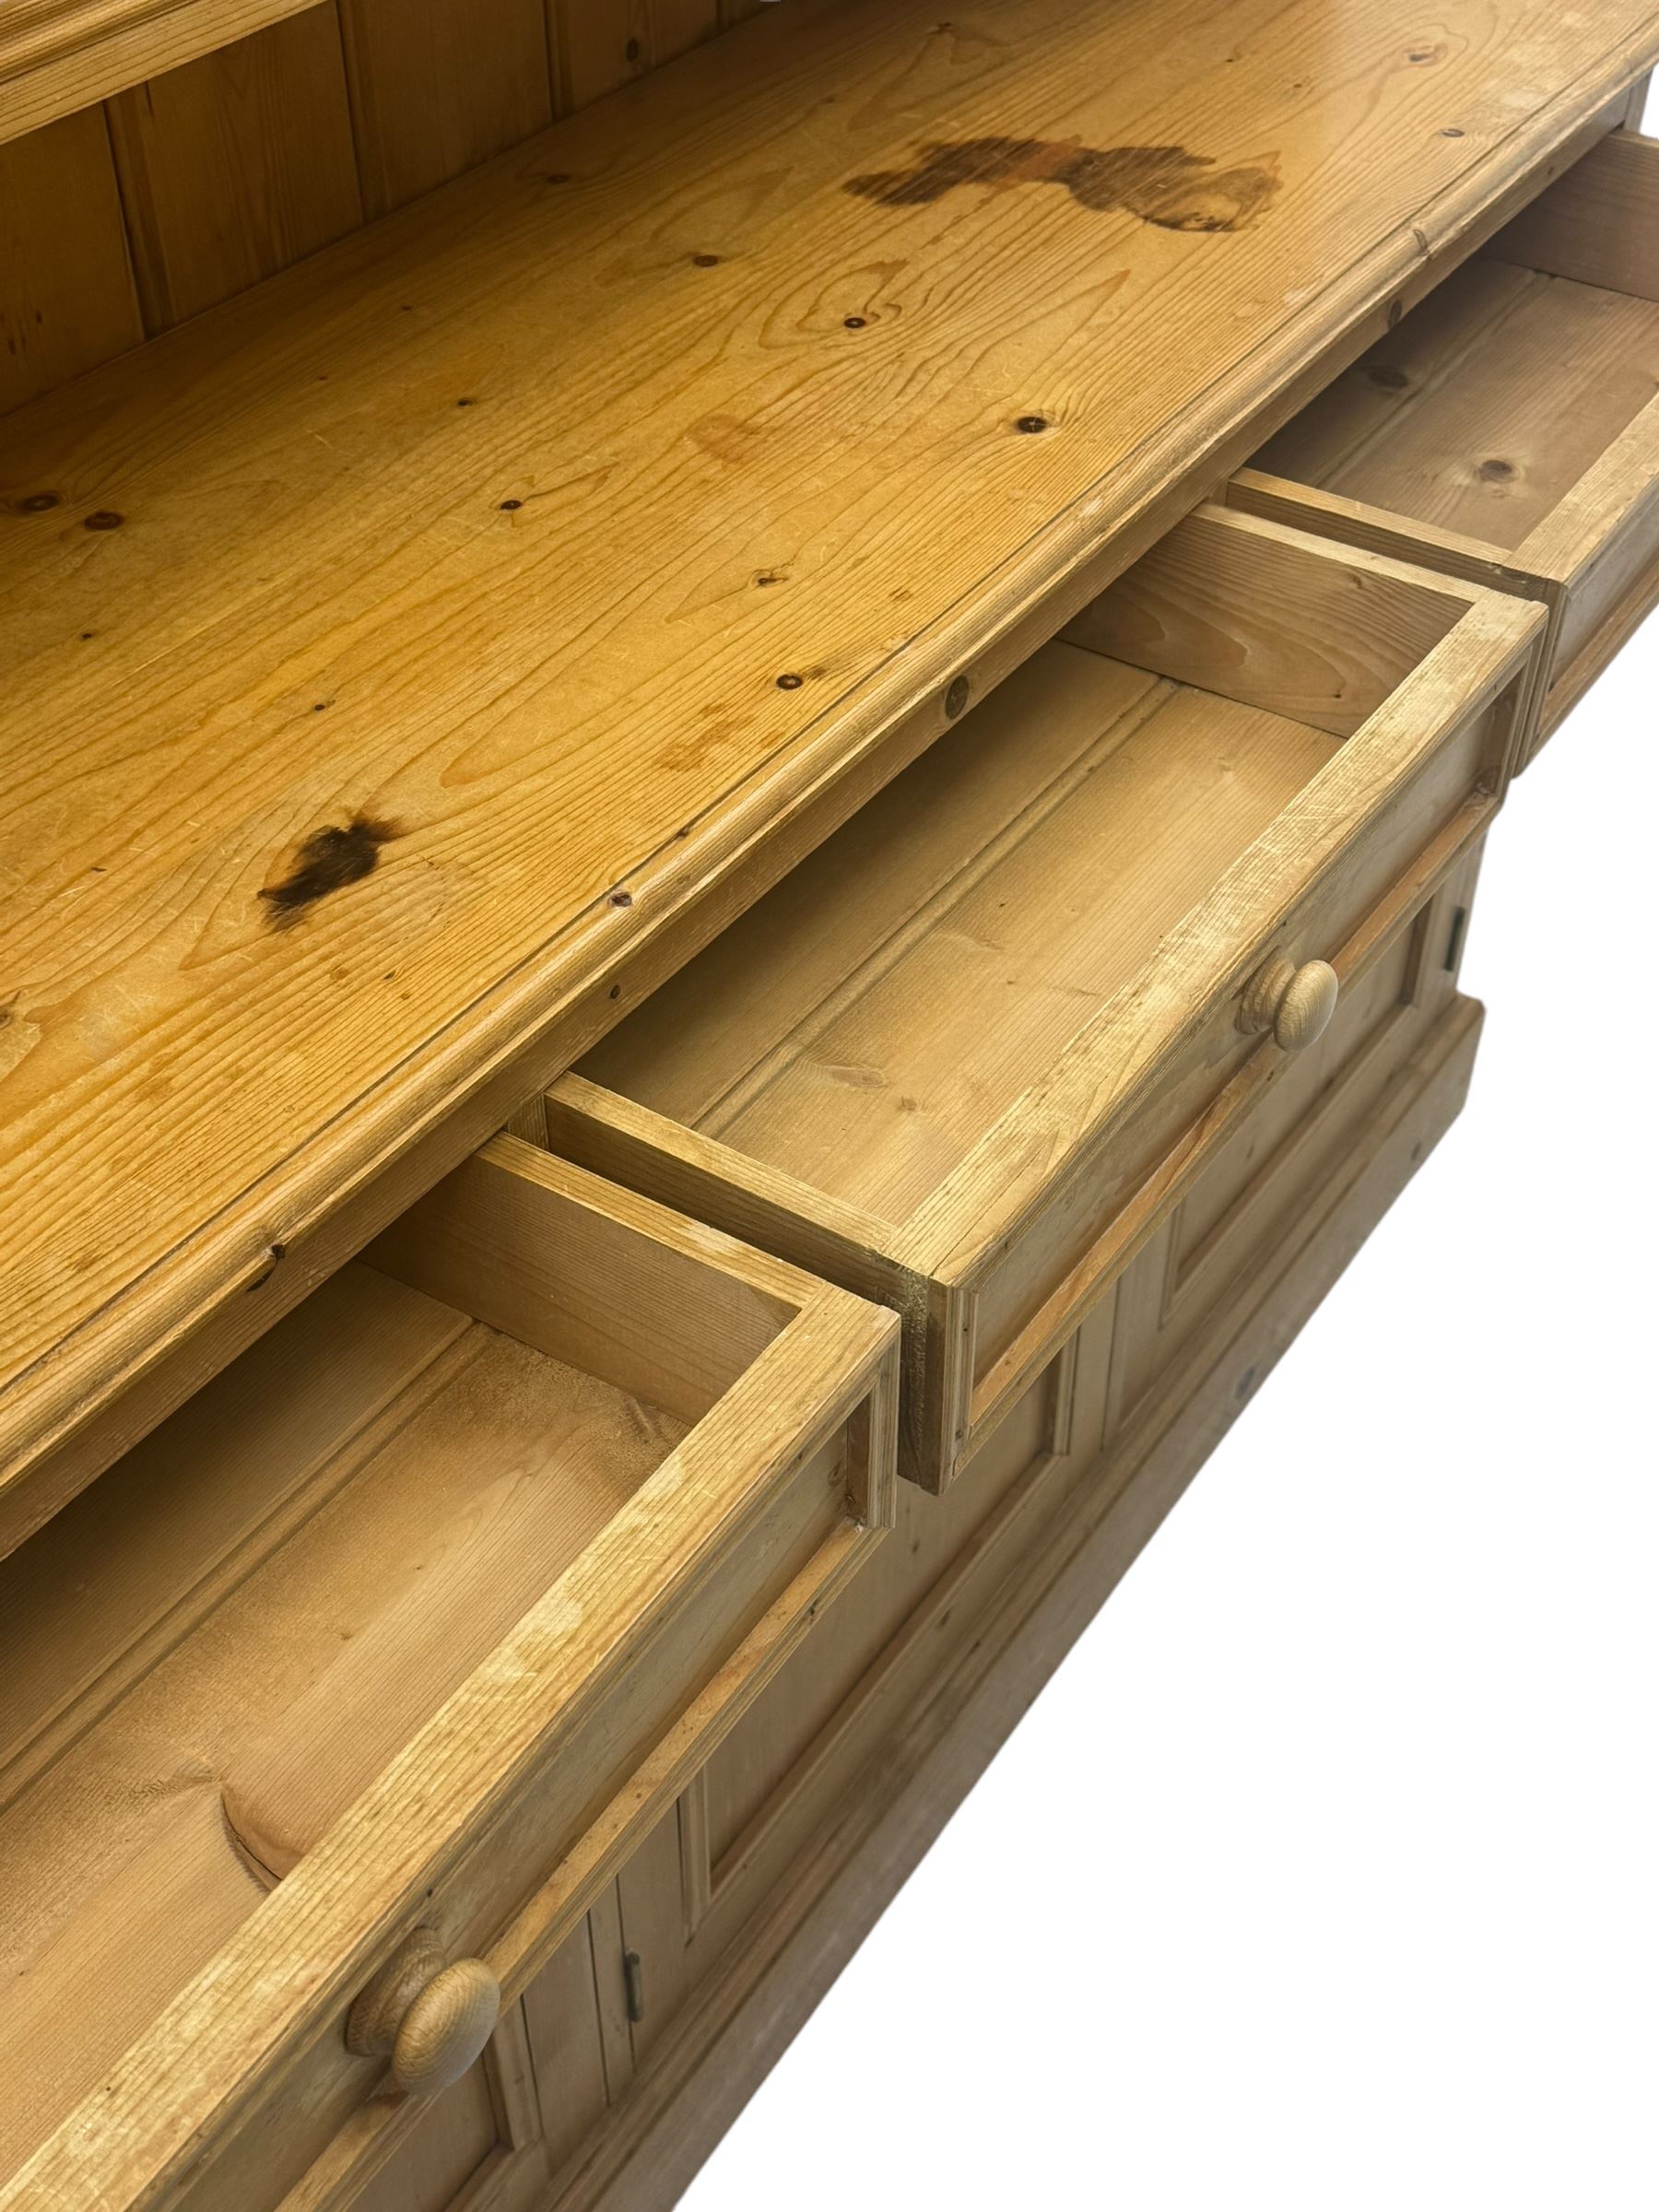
[[413, 660], [59, 55]]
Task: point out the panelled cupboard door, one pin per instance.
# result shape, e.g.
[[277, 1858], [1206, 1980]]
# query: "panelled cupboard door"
[[593, 2012], [478, 2148], [1507, 430], [786, 1841], [1267, 1191], [966, 1057], [809, 1763], [565, 2028]]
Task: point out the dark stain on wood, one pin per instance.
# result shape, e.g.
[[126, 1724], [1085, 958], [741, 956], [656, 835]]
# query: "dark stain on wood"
[[1160, 185], [328, 860]]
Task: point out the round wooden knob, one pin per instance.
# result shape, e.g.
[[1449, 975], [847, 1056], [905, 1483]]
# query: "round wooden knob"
[[433, 2018], [1295, 1003]]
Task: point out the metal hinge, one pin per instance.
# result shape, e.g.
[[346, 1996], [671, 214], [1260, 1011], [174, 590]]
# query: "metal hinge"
[[633, 1982], [1460, 922]]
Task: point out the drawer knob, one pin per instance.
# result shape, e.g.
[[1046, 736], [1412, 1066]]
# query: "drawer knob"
[[431, 2017], [1295, 1003]]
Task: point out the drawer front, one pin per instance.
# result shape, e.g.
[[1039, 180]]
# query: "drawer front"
[[1063, 1005], [815, 1754], [512, 2133], [479, 2143], [395, 1934], [1508, 430], [515, 1882], [1284, 1166], [1093, 1210]]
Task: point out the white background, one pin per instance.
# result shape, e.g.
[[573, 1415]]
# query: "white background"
[[1325, 1876]]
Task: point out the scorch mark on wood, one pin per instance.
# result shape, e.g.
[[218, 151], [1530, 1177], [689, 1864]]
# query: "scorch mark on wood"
[[328, 860]]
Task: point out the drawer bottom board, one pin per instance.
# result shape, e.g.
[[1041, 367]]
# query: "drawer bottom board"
[[984, 1640]]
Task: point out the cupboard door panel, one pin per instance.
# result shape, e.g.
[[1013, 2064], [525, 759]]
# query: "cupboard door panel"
[[777, 1779], [479, 2142], [561, 2020], [595, 2010], [433, 2164], [1291, 1159], [654, 1962]]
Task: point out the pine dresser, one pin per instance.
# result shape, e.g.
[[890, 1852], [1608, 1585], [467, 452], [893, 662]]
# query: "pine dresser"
[[745, 755]]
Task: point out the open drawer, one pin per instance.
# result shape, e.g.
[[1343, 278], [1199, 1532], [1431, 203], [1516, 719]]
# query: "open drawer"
[[1508, 429], [339, 1696], [965, 1056]]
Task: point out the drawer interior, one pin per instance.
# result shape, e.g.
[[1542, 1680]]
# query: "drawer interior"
[[1491, 402], [1508, 430], [211, 1652], [865, 1025]]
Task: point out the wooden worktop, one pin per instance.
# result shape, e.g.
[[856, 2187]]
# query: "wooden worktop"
[[397, 651]]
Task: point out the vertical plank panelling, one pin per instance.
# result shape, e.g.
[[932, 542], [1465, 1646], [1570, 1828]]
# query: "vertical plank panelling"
[[440, 84], [66, 296], [651, 1892], [616, 2040], [562, 2014], [127, 219], [236, 165], [599, 44], [678, 24]]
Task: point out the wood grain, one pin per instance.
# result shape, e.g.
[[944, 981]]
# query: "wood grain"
[[66, 296], [445, 2150], [1597, 224], [561, 2014], [678, 24], [511, 1239], [436, 88], [923, 1723], [507, 1499], [321, 619], [1489, 404], [1508, 432], [598, 45], [962, 1058], [236, 165], [59, 56], [245, 158], [190, 1514]]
